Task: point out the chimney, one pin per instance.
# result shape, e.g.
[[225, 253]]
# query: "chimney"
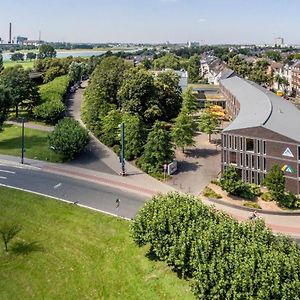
[[9, 38]]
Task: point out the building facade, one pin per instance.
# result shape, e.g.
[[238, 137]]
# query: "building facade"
[[296, 79], [265, 131]]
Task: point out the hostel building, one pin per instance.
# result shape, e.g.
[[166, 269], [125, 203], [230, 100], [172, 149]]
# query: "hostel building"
[[265, 131]]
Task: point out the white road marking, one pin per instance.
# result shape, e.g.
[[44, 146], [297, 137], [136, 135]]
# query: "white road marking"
[[57, 186], [67, 201], [6, 171], [2, 177]]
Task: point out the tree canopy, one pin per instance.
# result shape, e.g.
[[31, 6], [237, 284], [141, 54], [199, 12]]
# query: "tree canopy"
[[46, 51]]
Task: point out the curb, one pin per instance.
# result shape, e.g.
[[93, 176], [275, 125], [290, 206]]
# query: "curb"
[[261, 211]]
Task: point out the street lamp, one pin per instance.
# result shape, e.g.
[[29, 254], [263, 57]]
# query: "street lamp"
[[122, 152], [23, 146]]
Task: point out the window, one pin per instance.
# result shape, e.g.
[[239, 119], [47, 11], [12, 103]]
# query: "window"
[[264, 164], [230, 141], [225, 141], [247, 160], [241, 144], [225, 156], [258, 162], [252, 161], [241, 159], [232, 157], [250, 145], [258, 146], [236, 142], [298, 152], [264, 147], [252, 177]]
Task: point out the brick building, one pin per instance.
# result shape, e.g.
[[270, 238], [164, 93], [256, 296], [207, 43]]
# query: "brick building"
[[265, 131]]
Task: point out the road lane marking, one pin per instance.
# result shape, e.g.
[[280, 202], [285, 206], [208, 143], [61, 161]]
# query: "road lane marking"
[[7, 171], [2, 177], [57, 186]]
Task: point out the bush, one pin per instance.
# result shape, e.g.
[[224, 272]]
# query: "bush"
[[50, 111], [226, 259], [252, 205], [289, 200], [68, 138], [209, 193], [249, 191], [267, 196]]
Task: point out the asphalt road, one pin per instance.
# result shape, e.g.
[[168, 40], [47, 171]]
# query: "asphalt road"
[[86, 193]]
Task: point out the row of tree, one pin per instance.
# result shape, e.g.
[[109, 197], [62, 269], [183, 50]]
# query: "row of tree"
[[224, 258]]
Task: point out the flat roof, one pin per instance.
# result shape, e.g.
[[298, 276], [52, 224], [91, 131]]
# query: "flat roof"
[[261, 107]]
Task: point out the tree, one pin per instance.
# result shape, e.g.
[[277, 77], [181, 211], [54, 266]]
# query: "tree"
[[76, 71], [168, 61], [208, 123], [8, 232], [274, 55], [46, 51], [17, 56], [31, 56], [275, 182], [183, 130], [134, 136], [22, 89], [68, 138], [231, 181], [194, 68], [5, 104], [189, 100], [158, 149], [1, 62], [110, 133], [168, 95], [136, 94]]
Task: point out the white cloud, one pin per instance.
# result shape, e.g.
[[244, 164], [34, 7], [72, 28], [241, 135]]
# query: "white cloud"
[[201, 20]]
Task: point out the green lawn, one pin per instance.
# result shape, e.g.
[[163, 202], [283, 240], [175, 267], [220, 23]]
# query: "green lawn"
[[68, 252], [26, 64], [36, 143]]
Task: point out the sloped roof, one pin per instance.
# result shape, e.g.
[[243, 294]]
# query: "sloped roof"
[[260, 107]]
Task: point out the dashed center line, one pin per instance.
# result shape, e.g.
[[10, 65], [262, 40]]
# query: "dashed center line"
[[7, 171], [57, 186], [2, 177]]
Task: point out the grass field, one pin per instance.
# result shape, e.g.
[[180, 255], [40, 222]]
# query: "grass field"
[[25, 64], [36, 143], [68, 252]]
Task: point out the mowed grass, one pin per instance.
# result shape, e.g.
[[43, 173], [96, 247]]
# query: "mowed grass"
[[25, 64], [78, 254], [36, 143]]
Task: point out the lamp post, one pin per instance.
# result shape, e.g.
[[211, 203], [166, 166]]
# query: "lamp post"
[[122, 153], [23, 148]]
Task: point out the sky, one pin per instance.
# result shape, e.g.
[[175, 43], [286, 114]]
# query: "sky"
[[153, 21]]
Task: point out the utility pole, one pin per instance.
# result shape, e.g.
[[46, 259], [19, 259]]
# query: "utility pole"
[[23, 148], [122, 154]]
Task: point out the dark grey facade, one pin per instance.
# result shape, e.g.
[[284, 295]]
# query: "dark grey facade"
[[265, 131]]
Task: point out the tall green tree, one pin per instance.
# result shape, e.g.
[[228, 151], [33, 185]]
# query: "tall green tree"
[[1, 62], [110, 133], [31, 56], [275, 182], [46, 51], [136, 94], [134, 136], [5, 104], [168, 61], [208, 123], [158, 149], [168, 94], [22, 89], [76, 71], [183, 130], [189, 100], [194, 68]]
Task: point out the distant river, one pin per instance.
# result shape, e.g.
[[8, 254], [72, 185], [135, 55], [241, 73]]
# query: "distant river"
[[61, 54]]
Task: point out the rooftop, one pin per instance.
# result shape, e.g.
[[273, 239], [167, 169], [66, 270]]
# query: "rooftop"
[[260, 107]]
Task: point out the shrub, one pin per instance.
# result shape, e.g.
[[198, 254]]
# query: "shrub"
[[68, 138], [226, 259], [209, 193], [289, 200], [267, 196], [216, 182], [50, 111], [252, 205], [249, 191], [275, 182]]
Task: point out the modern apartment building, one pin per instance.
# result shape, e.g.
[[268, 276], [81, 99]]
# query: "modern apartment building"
[[265, 131], [296, 78]]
